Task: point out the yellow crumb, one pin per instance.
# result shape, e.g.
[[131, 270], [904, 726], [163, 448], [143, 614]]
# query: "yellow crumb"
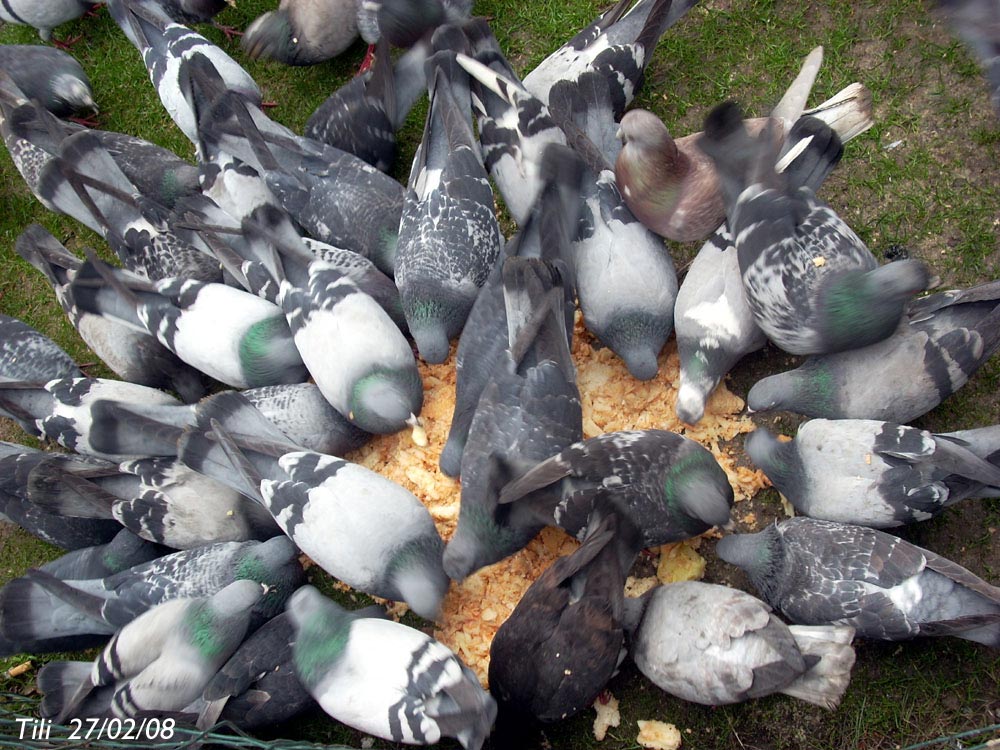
[[679, 562], [608, 715], [819, 261], [658, 735]]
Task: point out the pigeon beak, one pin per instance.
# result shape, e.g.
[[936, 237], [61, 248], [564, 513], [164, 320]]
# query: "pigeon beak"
[[619, 135]]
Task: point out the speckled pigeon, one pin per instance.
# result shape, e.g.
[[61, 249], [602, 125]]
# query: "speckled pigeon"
[[819, 572], [449, 238], [812, 284], [941, 342], [716, 645], [27, 355], [385, 678], [871, 473]]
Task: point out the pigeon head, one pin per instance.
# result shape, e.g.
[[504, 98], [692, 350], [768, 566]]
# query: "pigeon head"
[[274, 565], [483, 538], [416, 572], [697, 486], [434, 316], [384, 401], [74, 92], [810, 389], [637, 337], [856, 308], [778, 459], [271, 37], [322, 629], [690, 402], [759, 555], [649, 167]]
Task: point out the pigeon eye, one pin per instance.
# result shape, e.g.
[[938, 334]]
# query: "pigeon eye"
[[295, 40]]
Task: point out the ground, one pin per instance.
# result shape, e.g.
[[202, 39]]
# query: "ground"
[[925, 178]]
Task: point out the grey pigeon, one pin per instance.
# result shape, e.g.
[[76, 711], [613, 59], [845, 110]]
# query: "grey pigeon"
[[257, 687], [871, 473], [977, 23], [405, 22], [26, 354], [941, 342], [668, 486], [163, 659], [100, 417], [618, 44], [102, 560], [160, 499], [303, 32], [716, 645], [43, 16], [51, 76], [485, 336], [529, 410], [133, 355], [16, 462], [818, 572], [813, 286], [715, 325], [565, 638], [164, 45], [44, 613], [228, 334], [360, 360], [361, 117], [514, 126], [386, 546], [420, 693], [449, 238], [30, 132]]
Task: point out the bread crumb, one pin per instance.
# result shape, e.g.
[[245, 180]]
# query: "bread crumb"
[[608, 715], [658, 735], [636, 587], [679, 562], [819, 261]]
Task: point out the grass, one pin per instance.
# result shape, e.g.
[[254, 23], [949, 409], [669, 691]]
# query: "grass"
[[925, 177]]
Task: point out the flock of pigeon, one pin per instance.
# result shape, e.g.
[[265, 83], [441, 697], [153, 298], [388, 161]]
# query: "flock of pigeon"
[[294, 271]]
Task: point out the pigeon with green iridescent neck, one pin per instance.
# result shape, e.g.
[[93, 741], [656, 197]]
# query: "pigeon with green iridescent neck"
[[228, 334], [871, 473], [162, 660], [818, 572], [449, 238], [358, 526], [43, 613], [717, 645], [941, 342], [668, 486], [812, 284], [385, 678], [529, 410]]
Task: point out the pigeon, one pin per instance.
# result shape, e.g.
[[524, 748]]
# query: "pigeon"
[[715, 325], [565, 638], [810, 281], [385, 545], [668, 486], [230, 335], [302, 32], [529, 410], [618, 45], [818, 572], [26, 354], [871, 473], [361, 117], [30, 132], [164, 46], [132, 355], [403, 23], [102, 560], [160, 499], [672, 185], [717, 645], [85, 182], [44, 16], [485, 335], [163, 659], [449, 238], [100, 417], [941, 342], [257, 687], [514, 126], [360, 360], [67, 533], [977, 23], [50, 76], [43, 613], [419, 693]]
